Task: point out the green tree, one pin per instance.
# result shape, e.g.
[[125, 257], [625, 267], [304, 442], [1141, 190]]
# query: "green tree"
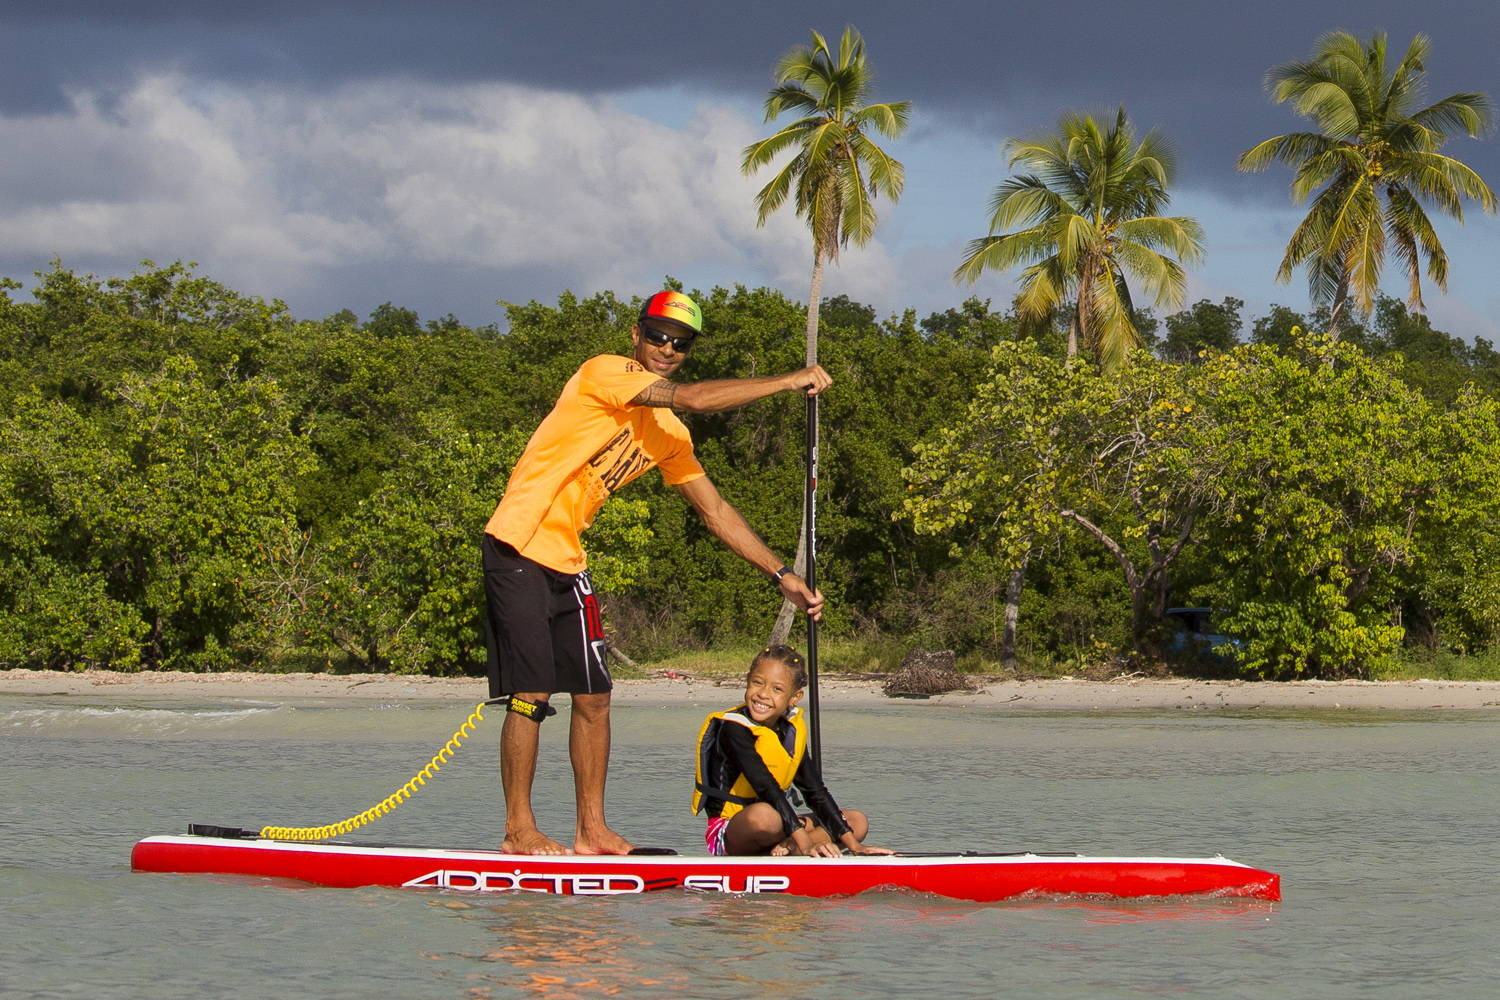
[[1089, 217], [1205, 326], [83, 334], [1340, 480], [1124, 459], [154, 512], [1002, 463], [1276, 328], [1373, 140], [1449, 593], [57, 608]]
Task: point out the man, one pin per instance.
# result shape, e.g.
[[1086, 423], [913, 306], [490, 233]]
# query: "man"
[[612, 422]]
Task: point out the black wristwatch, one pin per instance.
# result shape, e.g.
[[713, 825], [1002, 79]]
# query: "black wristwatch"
[[776, 576]]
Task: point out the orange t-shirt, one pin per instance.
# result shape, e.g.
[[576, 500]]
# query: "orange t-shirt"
[[591, 444]]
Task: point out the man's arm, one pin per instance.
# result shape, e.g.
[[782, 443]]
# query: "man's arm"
[[730, 527], [731, 393]]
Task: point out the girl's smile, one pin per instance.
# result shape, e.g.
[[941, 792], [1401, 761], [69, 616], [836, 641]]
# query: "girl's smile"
[[770, 691]]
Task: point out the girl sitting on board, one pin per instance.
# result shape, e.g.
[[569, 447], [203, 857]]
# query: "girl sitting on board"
[[747, 759]]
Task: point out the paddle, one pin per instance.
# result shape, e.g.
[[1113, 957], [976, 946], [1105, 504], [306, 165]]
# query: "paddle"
[[814, 737]]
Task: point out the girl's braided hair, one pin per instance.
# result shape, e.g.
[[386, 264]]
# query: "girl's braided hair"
[[788, 656]]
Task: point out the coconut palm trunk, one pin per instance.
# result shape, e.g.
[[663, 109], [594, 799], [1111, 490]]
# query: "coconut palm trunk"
[[784, 618], [1014, 586]]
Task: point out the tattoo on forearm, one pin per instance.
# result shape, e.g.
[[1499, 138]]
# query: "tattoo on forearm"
[[662, 393]]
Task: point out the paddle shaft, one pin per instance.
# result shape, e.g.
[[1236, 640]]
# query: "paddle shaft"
[[810, 504]]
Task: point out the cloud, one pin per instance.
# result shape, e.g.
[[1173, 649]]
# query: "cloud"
[[446, 197], [272, 192]]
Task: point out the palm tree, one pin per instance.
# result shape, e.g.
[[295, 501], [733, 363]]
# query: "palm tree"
[[1373, 141], [834, 176], [837, 171], [1089, 215]]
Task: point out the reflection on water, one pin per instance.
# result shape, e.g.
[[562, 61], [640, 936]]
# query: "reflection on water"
[[693, 944], [562, 951], [572, 947], [1107, 913]]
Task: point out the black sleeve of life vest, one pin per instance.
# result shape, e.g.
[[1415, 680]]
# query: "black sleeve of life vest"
[[739, 743], [810, 781]]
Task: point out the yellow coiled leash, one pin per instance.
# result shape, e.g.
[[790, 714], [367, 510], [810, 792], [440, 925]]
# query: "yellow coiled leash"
[[393, 800]]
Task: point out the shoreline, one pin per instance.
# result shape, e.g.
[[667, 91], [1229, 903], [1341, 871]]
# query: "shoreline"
[[1052, 694]]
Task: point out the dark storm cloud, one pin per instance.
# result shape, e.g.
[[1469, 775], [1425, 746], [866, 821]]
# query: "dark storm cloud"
[[334, 153], [582, 47], [1194, 69]]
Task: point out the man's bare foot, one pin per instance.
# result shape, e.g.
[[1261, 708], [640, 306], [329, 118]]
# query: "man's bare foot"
[[600, 841], [532, 841]]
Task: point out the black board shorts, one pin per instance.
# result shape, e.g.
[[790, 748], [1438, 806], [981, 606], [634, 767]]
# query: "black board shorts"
[[542, 628]]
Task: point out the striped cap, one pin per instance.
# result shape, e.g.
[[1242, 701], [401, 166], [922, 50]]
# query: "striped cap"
[[674, 307]]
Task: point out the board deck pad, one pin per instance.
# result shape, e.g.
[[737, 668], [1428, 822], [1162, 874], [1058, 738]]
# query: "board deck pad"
[[967, 876]]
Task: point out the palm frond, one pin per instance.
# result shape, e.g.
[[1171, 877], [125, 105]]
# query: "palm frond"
[[1156, 156], [774, 194], [1042, 287], [1292, 148], [1001, 253], [1413, 235], [789, 97], [1362, 243], [889, 119], [1076, 236], [1470, 113], [1325, 276], [1180, 234], [887, 174], [1332, 107], [759, 154], [1308, 241], [1107, 325], [1339, 164], [1445, 180], [823, 143], [1403, 245], [1159, 274], [1408, 79], [857, 215], [1022, 201]]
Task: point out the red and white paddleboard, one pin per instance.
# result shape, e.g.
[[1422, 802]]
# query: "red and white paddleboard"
[[978, 877]]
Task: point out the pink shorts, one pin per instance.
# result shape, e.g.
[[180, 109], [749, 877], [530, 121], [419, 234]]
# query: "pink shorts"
[[714, 835]]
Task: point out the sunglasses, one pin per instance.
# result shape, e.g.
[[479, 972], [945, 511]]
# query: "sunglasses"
[[679, 344]]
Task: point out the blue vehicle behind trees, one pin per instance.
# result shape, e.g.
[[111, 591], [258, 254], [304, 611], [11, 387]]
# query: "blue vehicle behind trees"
[[1195, 636]]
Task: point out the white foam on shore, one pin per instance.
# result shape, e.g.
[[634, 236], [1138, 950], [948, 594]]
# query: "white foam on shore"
[[162, 720]]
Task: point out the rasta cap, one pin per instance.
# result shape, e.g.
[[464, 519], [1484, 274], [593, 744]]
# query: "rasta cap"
[[676, 308]]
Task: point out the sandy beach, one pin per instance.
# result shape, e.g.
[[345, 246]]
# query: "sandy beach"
[[1052, 694]]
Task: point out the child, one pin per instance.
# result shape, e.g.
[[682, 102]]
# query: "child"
[[747, 759]]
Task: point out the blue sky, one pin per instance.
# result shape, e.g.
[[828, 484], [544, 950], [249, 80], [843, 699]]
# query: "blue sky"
[[447, 155]]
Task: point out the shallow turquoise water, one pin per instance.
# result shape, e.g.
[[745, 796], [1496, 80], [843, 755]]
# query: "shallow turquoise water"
[[1384, 827]]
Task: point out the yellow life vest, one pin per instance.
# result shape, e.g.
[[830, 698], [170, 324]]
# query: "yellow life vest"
[[782, 757]]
